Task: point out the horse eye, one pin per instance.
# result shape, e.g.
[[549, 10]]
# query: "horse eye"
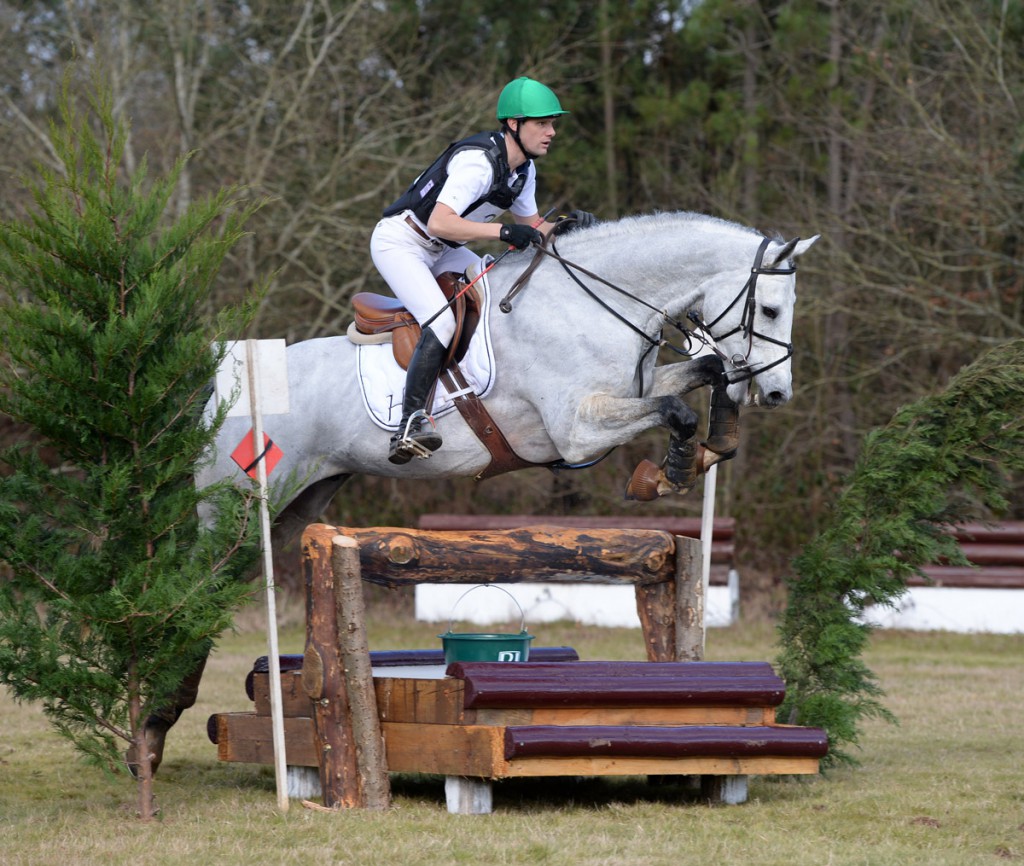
[[770, 312]]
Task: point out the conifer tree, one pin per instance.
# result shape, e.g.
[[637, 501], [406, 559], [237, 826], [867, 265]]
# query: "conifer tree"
[[112, 588], [940, 461]]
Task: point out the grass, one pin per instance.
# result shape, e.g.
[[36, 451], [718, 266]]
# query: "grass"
[[946, 786]]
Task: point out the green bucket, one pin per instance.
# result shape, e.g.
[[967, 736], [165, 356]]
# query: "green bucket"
[[486, 647]]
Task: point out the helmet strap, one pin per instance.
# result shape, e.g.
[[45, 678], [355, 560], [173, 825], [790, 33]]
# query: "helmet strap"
[[515, 136]]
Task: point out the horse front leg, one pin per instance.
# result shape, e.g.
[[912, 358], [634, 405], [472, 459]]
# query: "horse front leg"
[[602, 421], [686, 458]]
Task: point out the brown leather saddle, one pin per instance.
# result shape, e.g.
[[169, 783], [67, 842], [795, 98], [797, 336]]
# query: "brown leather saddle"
[[382, 315]]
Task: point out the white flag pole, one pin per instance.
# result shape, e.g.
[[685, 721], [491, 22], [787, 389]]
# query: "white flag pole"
[[276, 702], [707, 529]]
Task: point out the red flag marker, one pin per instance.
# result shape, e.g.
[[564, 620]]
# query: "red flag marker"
[[244, 455]]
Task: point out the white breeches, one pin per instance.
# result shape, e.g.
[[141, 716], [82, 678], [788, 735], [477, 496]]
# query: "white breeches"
[[409, 264]]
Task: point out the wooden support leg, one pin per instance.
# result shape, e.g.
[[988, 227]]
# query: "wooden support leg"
[[468, 796], [304, 783], [374, 785], [724, 790], [323, 676], [689, 612]]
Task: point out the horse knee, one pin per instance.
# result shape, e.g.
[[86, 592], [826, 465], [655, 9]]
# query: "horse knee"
[[678, 417]]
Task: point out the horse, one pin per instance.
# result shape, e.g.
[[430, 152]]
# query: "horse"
[[576, 374]]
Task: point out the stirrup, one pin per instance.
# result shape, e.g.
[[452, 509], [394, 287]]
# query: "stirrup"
[[409, 445]]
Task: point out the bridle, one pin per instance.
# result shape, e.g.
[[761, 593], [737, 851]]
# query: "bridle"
[[703, 333], [748, 294]]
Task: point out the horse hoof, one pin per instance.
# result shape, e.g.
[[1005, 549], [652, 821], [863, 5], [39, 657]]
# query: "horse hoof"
[[644, 483], [154, 737]]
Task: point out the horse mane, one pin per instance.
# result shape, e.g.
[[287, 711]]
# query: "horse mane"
[[608, 237]]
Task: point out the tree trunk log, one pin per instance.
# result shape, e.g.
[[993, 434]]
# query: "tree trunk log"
[[323, 676], [355, 655], [393, 556]]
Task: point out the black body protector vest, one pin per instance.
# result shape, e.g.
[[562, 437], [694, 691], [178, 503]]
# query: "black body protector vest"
[[421, 196]]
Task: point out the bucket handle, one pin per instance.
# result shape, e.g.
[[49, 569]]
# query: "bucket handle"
[[522, 615]]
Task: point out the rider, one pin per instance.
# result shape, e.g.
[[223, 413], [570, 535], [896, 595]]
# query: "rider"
[[458, 199]]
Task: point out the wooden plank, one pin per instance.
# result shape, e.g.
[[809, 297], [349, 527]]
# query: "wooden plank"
[[395, 556], [583, 766], [249, 739], [423, 701], [452, 750], [294, 700], [622, 716]]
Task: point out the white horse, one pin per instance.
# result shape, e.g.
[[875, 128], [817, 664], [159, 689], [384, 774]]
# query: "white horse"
[[575, 359], [575, 369]]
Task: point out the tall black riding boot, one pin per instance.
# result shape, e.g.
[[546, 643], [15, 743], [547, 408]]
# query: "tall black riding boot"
[[416, 436]]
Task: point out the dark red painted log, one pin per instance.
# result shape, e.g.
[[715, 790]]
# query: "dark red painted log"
[[395, 658], [982, 577], [628, 670], [1004, 532], [618, 684], [989, 553], [548, 741], [647, 692]]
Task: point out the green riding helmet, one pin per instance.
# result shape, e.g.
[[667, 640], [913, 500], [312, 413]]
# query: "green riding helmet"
[[527, 98]]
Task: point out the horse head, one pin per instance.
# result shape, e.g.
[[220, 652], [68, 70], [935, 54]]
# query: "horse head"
[[751, 329]]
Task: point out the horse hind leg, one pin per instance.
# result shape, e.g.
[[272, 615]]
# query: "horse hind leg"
[[154, 731]]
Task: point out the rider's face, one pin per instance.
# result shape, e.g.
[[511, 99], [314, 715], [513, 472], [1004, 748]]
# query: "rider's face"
[[536, 134]]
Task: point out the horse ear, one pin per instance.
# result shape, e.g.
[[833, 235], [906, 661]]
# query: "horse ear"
[[791, 249]]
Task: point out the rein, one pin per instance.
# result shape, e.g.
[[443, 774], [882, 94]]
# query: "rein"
[[703, 334]]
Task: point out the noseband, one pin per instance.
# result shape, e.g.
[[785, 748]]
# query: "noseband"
[[748, 296]]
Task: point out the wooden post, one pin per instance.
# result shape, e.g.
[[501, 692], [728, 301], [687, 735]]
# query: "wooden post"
[[656, 607], [323, 677], [374, 785], [689, 592]]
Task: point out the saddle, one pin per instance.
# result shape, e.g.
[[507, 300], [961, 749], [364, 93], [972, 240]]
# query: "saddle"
[[379, 318]]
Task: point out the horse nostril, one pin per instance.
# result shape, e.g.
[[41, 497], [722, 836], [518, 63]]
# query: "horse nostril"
[[776, 398]]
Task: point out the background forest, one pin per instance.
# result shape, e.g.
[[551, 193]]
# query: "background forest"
[[893, 128]]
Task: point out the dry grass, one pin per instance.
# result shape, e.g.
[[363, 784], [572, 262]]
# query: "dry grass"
[[945, 787]]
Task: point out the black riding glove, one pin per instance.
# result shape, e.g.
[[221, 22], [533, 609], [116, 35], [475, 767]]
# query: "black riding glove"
[[577, 219], [521, 236]]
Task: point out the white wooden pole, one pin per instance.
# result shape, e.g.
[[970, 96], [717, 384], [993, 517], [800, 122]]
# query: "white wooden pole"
[[276, 702], [707, 529]]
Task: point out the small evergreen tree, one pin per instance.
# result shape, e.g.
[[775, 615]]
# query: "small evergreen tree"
[[940, 461], [113, 589]]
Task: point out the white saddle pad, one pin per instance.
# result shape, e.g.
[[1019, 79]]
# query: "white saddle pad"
[[382, 381]]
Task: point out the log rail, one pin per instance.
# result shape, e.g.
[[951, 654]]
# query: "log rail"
[[996, 554]]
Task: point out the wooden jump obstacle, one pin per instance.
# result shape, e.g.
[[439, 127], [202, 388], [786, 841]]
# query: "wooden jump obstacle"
[[546, 602], [479, 722]]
